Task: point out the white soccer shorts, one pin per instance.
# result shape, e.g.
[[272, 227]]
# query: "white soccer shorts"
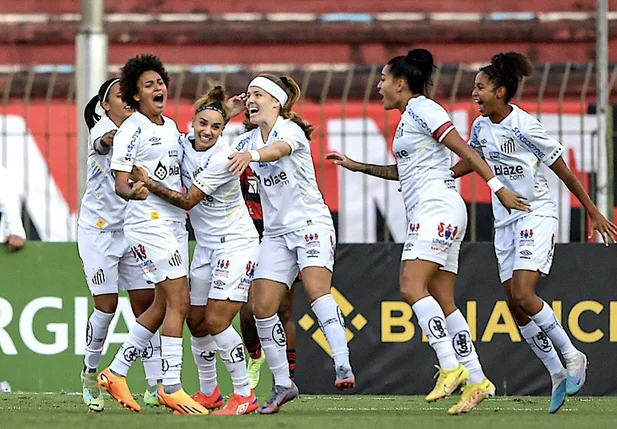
[[223, 272], [526, 244], [108, 263], [280, 256], [161, 249], [436, 230]]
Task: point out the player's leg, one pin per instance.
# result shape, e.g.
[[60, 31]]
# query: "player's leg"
[[141, 296], [101, 271], [286, 315], [203, 346], [415, 277], [478, 386], [315, 248], [251, 341]]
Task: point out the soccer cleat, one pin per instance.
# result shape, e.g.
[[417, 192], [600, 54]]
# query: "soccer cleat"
[[210, 402], [280, 396], [344, 378], [577, 373], [471, 396], [448, 381], [92, 393], [116, 386], [181, 403], [254, 369], [151, 396], [558, 394], [238, 405]]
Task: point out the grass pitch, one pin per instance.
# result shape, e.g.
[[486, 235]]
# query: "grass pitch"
[[50, 411]]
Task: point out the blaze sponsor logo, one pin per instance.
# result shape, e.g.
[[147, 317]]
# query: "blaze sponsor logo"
[[275, 180], [513, 172]]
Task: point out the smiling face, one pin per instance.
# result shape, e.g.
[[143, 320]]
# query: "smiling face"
[[489, 98], [390, 88], [208, 126], [262, 107], [151, 93], [116, 109]]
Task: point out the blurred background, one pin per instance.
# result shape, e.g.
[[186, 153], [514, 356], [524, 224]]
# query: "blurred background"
[[55, 54]]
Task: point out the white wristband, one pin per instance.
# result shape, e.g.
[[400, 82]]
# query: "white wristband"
[[494, 184], [255, 155]]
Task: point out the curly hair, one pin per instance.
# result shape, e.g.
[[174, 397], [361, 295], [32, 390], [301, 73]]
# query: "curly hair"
[[133, 69], [507, 70]]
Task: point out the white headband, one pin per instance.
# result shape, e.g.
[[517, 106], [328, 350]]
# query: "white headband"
[[113, 82], [271, 88]]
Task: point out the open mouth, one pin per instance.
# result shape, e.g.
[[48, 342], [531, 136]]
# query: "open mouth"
[[159, 100], [205, 138], [253, 110], [480, 104]]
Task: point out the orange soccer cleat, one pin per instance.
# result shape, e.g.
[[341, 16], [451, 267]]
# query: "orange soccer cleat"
[[116, 386], [210, 402], [181, 403], [238, 405]]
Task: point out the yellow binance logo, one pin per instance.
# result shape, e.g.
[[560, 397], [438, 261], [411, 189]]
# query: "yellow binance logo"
[[306, 322]]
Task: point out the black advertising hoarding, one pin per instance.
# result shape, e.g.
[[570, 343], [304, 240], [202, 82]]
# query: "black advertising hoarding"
[[390, 357]]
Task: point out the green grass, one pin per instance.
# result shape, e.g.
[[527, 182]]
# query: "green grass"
[[50, 411]]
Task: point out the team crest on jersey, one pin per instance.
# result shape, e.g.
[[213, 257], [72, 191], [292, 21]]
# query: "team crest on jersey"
[[413, 232], [312, 240], [526, 238], [448, 232], [508, 145], [222, 268]]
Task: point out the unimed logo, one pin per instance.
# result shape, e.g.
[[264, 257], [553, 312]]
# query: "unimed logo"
[[358, 322]]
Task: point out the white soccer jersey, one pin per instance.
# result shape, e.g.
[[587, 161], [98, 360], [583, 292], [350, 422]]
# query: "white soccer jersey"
[[289, 194], [423, 162], [514, 150], [222, 214], [101, 207], [157, 149]]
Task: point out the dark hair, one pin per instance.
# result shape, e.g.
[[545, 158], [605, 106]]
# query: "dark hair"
[[90, 115], [293, 92], [507, 70], [417, 67], [135, 67], [214, 99]]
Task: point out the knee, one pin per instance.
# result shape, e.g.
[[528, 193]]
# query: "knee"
[[106, 303], [197, 325], [411, 291], [263, 309], [179, 304], [215, 324]]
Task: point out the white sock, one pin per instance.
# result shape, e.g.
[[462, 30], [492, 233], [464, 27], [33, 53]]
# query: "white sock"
[[274, 344], [464, 347], [171, 352], [432, 322], [151, 358], [542, 347], [131, 349], [204, 355], [332, 324], [547, 321], [96, 332], [230, 348]]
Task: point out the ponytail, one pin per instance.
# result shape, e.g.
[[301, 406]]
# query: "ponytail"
[[416, 67], [507, 70], [90, 115]]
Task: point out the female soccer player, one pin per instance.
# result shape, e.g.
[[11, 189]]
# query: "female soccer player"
[[107, 261], [437, 221], [225, 257], [298, 229], [250, 186], [154, 229], [513, 143]]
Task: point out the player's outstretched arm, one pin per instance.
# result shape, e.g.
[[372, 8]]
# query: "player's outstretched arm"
[[388, 172], [184, 201], [599, 223], [461, 168]]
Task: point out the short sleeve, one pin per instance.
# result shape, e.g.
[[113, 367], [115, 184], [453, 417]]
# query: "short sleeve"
[[430, 118], [214, 174], [474, 141], [126, 142], [101, 128], [537, 140], [243, 142], [292, 134]]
